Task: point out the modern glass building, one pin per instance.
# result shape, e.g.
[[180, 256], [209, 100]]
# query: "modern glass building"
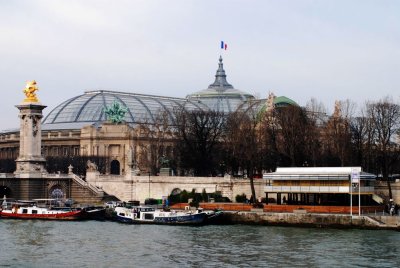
[[320, 185]]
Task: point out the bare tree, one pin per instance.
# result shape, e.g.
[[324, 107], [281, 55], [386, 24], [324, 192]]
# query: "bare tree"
[[153, 139], [244, 139], [317, 117], [199, 135], [385, 115], [337, 132], [359, 128], [293, 127]]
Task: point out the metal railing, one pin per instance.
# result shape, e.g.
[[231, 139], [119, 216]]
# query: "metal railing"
[[83, 183], [315, 189]]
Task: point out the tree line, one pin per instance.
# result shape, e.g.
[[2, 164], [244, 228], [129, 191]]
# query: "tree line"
[[259, 137], [254, 139]]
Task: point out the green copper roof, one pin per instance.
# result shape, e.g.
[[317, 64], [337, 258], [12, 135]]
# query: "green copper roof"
[[283, 101]]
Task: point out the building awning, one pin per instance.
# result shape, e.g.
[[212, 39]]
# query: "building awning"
[[318, 174]]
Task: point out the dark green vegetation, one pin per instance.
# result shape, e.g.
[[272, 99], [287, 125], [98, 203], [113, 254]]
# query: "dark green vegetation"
[[196, 198]]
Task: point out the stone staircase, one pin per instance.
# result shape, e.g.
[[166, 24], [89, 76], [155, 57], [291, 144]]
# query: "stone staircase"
[[390, 222], [84, 192]]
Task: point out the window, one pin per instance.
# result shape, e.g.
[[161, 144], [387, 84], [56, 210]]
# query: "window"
[[24, 211], [76, 150], [34, 211], [148, 216]]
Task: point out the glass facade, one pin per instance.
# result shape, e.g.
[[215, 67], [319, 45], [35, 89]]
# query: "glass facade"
[[89, 107]]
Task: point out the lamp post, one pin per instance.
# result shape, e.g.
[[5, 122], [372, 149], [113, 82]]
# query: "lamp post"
[[351, 195], [149, 184], [356, 179], [359, 196]]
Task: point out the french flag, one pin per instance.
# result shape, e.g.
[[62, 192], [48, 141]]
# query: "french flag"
[[223, 45]]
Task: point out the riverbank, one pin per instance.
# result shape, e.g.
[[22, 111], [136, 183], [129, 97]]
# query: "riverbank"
[[372, 217], [312, 220]]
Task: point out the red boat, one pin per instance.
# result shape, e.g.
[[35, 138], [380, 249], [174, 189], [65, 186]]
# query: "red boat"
[[30, 210]]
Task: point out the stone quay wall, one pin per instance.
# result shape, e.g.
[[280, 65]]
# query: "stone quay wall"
[[313, 220], [41, 187], [131, 187], [381, 188]]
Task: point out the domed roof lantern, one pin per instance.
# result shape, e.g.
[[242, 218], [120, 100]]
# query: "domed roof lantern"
[[220, 82]]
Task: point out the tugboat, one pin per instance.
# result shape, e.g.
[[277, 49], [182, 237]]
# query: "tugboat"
[[30, 210], [150, 215]]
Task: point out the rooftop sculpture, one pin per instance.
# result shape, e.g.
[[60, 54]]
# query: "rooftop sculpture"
[[30, 90], [115, 113]]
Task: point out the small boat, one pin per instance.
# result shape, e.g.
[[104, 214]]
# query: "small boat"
[[143, 214], [30, 210], [213, 216], [94, 213]]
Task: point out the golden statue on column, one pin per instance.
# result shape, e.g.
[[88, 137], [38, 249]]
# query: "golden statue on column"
[[30, 90]]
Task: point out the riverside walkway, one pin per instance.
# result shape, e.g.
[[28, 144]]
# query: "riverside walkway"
[[372, 217]]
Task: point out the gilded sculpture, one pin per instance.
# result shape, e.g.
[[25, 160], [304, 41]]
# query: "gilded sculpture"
[[30, 91]]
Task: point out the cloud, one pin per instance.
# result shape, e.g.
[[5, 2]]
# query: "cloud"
[[302, 49]]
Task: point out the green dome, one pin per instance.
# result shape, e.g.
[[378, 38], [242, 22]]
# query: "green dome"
[[281, 101], [284, 101]]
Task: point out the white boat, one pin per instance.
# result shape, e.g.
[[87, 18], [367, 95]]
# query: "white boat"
[[30, 210], [143, 214]]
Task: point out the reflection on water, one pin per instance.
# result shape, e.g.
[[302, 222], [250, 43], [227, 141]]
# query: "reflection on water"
[[108, 244]]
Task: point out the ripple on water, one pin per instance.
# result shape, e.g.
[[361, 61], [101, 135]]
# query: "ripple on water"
[[110, 244]]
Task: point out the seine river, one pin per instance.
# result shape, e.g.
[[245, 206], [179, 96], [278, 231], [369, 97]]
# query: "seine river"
[[111, 244]]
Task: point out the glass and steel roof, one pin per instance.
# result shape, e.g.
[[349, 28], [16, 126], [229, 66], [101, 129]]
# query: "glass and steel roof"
[[89, 108], [220, 95]]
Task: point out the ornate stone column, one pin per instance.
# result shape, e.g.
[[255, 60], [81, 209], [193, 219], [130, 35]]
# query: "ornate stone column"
[[30, 162]]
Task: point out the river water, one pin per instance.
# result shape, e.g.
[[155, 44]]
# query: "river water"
[[30, 243]]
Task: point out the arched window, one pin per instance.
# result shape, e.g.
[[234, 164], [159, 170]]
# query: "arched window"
[[115, 167], [56, 192]]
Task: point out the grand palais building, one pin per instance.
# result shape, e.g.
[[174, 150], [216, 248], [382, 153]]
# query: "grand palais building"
[[79, 126]]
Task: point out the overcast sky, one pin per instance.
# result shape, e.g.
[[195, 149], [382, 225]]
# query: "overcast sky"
[[328, 50]]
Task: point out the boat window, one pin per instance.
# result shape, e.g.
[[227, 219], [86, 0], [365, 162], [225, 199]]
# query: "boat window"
[[34, 211], [25, 210], [148, 216], [122, 214]]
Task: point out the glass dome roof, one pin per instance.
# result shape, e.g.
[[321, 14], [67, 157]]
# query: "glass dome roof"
[[220, 95], [89, 108]]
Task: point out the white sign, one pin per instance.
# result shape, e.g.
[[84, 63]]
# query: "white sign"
[[355, 176]]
